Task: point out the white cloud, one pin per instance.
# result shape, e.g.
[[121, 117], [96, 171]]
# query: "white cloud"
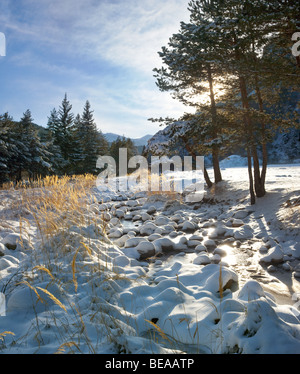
[[125, 34]]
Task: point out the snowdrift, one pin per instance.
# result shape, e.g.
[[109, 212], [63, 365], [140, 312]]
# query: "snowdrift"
[[172, 280]]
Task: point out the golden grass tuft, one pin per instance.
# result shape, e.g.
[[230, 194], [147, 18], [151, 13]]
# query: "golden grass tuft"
[[53, 298], [4, 333], [62, 348]]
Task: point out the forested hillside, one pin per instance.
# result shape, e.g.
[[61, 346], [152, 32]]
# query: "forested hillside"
[[67, 145]]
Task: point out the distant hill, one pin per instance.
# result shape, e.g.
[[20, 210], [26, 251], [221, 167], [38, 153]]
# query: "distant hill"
[[110, 137]]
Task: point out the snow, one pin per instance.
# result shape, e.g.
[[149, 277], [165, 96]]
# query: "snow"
[[218, 276]]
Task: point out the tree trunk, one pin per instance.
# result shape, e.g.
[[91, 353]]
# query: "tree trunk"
[[215, 148], [258, 186], [252, 195], [205, 173], [216, 164], [264, 143]]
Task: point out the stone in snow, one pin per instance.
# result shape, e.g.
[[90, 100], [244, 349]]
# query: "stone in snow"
[[210, 244], [146, 249], [151, 209], [241, 214], [275, 256], [200, 248], [202, 259], [237, 222], [133, 242], [188, 226]]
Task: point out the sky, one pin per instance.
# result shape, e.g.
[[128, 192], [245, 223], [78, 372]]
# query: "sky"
[[103, 51]]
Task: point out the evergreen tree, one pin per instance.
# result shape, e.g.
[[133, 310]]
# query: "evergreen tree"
[[122, 142], [8, 147], [64, 129], [34, 157], [190, 65], [53, 124], [56, 159], [91, 142], [235, 39], [64, 135]]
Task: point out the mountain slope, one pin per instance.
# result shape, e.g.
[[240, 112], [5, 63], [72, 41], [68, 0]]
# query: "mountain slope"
[[110, 137]]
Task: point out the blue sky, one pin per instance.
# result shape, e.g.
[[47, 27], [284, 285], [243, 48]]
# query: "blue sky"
[[97, 50]]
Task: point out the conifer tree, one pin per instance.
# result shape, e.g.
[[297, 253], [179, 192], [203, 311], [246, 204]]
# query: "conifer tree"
[[235, 39], [53, 124], [8, 147], [245, 30], [191, 70], [62, 129], [91, 142], [35, 155], [122, 142]]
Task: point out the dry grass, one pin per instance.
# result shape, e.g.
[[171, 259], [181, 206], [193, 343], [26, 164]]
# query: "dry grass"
[[54, 206]]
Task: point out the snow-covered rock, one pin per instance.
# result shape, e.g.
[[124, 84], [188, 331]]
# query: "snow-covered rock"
[[115, 233], [237, 222], [146, 249], [120, 213], [241, 214], [202, 259], [220, 251], [251, 290], [146, 217], [133, 242], [200, 248], [163, 220], [163, 245], [210, 244], [188, 226], [243, 232], [15, 241], [151, 210], [154, 236], [150, 228], [274, 256]]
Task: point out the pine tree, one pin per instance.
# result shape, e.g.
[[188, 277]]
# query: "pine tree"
[[34, 157], [55, 156], [122, 142], [7, 147], [235, 39], [191, 71], [91, 142], [53, 124], [245, 30], [64, 135]]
